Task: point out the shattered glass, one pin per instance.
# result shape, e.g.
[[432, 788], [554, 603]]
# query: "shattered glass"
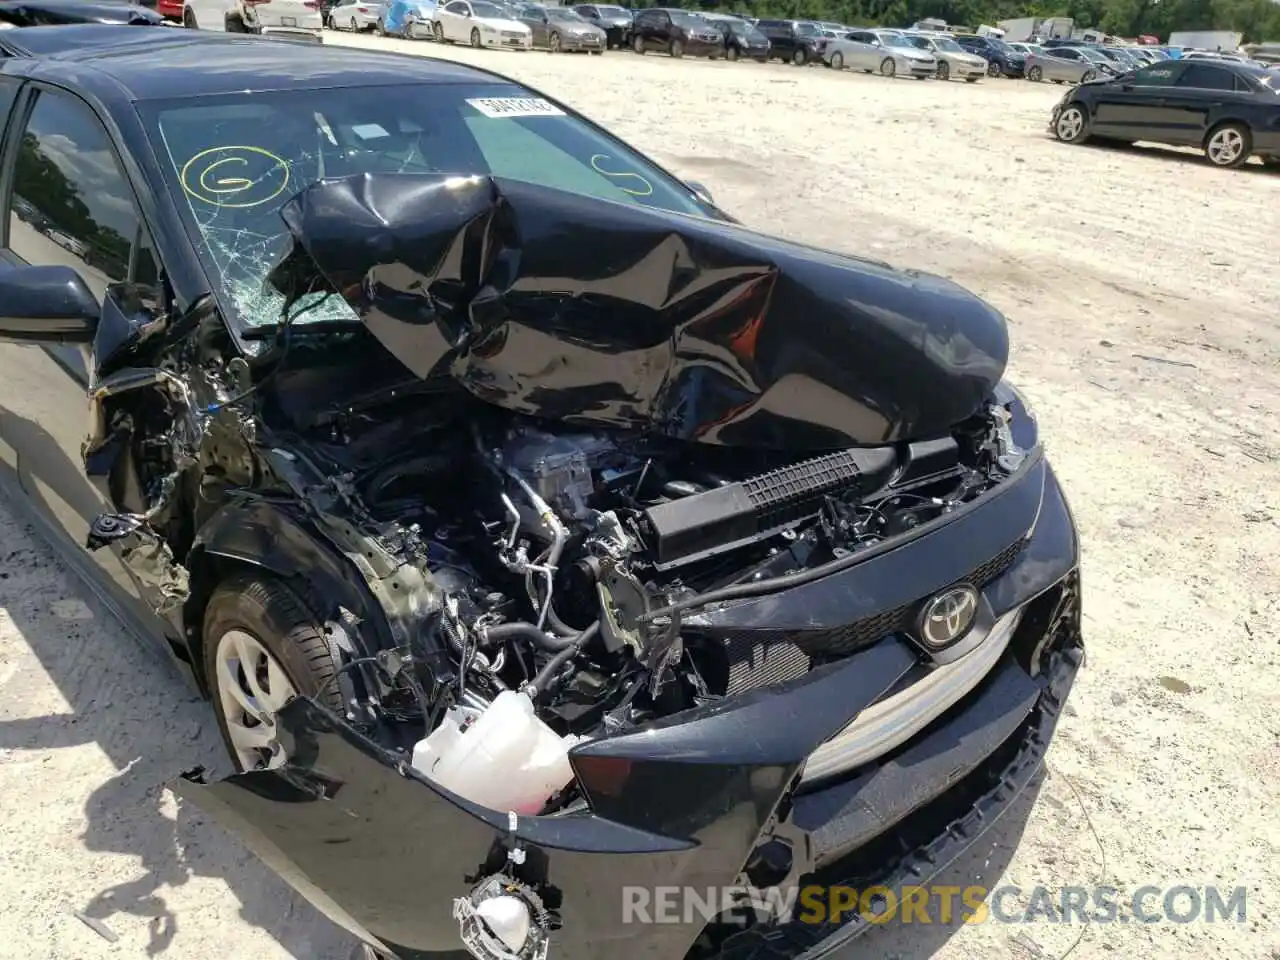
[[236, 159]]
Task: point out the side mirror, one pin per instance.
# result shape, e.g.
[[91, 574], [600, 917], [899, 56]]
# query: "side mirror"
[[46, 305], [700, 189]]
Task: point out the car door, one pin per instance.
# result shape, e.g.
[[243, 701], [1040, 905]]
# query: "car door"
[[455, 20], [1197, 99], [69, 203], [536, 20], [864, 51], [1136, 108]]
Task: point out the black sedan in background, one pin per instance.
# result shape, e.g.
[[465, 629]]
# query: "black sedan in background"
[[613, 20], [1229, 110]]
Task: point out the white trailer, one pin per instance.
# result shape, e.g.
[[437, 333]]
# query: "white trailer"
[[1224, 40], [1020, 30], [1056, 28]]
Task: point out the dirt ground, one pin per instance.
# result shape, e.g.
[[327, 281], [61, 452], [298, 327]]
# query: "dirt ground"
[[1141, 287]]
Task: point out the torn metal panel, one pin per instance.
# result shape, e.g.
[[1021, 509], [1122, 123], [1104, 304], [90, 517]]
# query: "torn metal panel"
[[573, 308]]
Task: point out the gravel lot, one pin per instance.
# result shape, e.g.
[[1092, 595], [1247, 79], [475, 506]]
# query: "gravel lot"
[[1141, 286]]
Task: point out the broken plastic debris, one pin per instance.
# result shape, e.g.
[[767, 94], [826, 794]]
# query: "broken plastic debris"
[[97, 926]]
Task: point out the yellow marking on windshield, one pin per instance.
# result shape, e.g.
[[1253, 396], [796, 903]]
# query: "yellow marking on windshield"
[[217, 176], [645, 188]]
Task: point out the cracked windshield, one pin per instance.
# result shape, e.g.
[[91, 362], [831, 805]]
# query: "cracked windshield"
[[236, 160]]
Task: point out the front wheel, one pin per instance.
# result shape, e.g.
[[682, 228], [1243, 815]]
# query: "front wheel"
[[355, 27], [553, 44], [1088, 75], [475, 37], [993, 69], [1229, 145], [1072, 125], [262, 648], [437, 29], [1035, 74], [731, 53], [944, 70], [189, 19], [888, 68], [800, 57], [677, 49], [837, 61], [637, 44]]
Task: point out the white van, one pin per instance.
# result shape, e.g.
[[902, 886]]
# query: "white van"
[[301, 19]]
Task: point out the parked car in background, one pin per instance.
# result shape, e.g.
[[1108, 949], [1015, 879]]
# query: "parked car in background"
[[1099, 64], [355, 15], [797, 41], [481, 24], [1120, 58], [39, 13], [563, 29], [410, 19], [886, 52], [1047, 65], [1002, 59], [1229, 110], [741, 39], [614, 21], [299, 19], [675, 32], [953, 59]]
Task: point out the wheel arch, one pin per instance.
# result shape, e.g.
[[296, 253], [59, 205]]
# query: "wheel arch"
[[262, 537]]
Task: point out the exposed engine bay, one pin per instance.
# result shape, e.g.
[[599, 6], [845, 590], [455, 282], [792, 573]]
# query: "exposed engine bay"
[[568, 562]]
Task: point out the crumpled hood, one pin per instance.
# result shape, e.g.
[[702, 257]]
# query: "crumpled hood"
[[614, 314]]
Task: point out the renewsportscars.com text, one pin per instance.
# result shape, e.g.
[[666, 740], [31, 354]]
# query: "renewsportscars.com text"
[[937, 904]]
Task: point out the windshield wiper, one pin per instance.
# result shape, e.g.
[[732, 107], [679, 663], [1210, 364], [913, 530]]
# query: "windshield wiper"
[[269, 331]]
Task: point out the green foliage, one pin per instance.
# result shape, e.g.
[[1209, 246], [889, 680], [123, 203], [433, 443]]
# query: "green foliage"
[[1256, 19]]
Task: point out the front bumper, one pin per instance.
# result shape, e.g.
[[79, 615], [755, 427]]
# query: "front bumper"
[[577, 44], [1012, 69], [703, 48], [384, 852], [507, 40]]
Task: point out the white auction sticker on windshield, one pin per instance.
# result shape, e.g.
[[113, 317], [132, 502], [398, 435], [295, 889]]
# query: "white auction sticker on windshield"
[[516, 107]]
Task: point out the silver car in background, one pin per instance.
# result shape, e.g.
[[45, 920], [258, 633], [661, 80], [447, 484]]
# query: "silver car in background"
[[355, 16], [562, 30], [953, 59], [886, 52], [1043, 65]]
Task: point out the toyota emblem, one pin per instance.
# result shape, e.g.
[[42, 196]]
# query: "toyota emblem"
[[948, 616]]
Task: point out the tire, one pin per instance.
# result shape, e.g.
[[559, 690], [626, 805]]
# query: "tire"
[[355, 27], [236, 25], [972, 79], [278, 624], [677, 49], [1035, 74], [553, 43], [637, 44], [731, 53], [944, 70], [1088, 75], [888, 68], [475, 37], [800, 57], [837, 61], [1228, 145], [1072, 125], [189, 19], [380, 28], [993, 69], [437, 30]]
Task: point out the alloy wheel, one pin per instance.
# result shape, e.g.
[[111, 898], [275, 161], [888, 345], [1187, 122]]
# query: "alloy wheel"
[[944, 70], [355, 27], [251, 687], [887, 67], [837, 60], [1226, 148], [1070, 124], [554, 43], [1035, 74], [993, 69]]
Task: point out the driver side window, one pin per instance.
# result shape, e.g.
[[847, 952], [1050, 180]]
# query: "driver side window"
[[71, 203], [461, 9]]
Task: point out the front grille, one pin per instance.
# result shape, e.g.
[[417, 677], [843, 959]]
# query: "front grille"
[[760, 659]]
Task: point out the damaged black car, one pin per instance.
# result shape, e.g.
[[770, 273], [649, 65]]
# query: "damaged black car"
[[538, 533]]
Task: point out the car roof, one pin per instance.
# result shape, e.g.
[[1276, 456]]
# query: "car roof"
[[70, 38], [205, 63]]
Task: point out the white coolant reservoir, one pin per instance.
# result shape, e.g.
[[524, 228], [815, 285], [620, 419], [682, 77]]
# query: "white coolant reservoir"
[[507, 759]]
